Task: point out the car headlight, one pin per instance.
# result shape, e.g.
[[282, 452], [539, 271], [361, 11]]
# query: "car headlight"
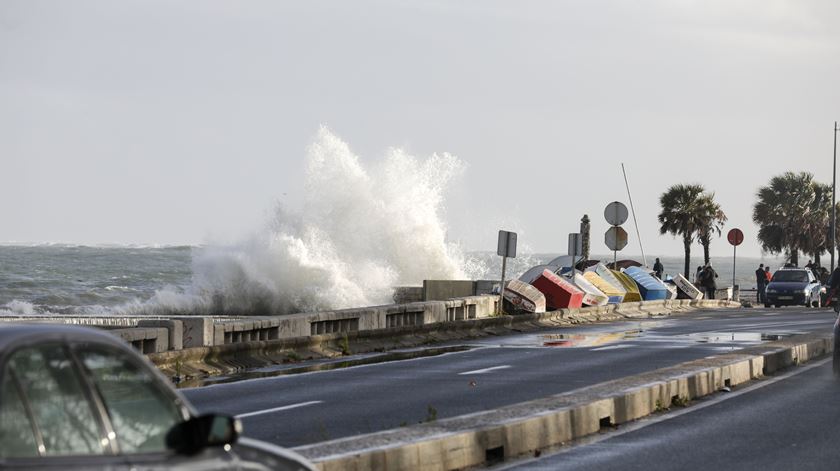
[[806, 291], [771, 290]]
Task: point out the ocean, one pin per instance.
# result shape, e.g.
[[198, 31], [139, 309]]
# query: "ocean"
[[131, 280]]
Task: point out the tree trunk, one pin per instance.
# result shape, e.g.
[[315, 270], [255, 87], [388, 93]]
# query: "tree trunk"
[[706, 245], [794, 257], [817, 259], [687, 245]]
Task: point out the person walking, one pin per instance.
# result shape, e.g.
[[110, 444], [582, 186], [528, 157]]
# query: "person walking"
[[761, 284], [658, 268], [708, 279]]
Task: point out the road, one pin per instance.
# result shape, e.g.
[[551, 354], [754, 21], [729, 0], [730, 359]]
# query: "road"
[[788, 422], [306, 408]]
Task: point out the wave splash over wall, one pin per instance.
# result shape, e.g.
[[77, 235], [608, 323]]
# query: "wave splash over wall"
[[360, 232]]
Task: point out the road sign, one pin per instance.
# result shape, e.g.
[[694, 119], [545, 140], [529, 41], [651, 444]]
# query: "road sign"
[[575, 244], [616, 213], [507, 244], [735, 236], [615, 238]]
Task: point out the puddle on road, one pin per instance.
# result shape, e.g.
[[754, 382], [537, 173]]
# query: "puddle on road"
[[588, 340], [286, 369], [729, 337], [598, 339]]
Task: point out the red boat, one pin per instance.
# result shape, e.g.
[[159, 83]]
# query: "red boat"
[[559, 292]]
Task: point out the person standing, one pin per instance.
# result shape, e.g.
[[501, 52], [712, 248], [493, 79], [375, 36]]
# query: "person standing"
[[768, 275], [697, 275], [709, 282], [658, 268], [761, 284]]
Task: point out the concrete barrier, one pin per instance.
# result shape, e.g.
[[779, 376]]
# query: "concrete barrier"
[[524, 429]]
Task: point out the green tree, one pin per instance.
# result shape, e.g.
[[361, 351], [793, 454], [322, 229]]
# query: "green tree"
[[683, 214], [713, 218], [783, 214]]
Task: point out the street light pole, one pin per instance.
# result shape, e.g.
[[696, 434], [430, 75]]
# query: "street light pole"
[[834, 201]]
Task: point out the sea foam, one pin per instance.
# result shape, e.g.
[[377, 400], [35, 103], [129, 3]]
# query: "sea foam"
[[361, 230]]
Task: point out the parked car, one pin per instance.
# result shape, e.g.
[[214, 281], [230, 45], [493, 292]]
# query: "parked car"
[[794, 287], [76, 398]]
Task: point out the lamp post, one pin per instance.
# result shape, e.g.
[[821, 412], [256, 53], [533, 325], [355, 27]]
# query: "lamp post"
[[834, 201]]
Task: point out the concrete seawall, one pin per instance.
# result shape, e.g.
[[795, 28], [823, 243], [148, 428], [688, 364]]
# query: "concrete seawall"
[[527, 428], [197, 346]]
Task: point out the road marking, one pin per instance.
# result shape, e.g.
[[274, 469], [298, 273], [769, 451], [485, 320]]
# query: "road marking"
[[485, 370], [278, 409], [703, 317], [611, 347], [653, 420]]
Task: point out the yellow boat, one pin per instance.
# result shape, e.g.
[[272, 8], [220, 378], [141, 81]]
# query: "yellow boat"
[[633, 295], [614, 294]]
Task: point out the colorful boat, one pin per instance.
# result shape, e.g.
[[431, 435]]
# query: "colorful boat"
[[686, 288], [592, 295], [650, 288], [632, 295], [614, 295], [524, 297], [559, 292], [535, 272]]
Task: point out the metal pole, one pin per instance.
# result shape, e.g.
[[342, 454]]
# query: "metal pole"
[[636, 223], [734, 249], [499, 309], [834, 201]]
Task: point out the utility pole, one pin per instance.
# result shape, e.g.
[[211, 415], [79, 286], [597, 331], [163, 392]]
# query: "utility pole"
[[834, 201]]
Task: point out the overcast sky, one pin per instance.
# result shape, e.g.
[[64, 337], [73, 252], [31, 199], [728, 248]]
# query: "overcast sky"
[[185, 121]]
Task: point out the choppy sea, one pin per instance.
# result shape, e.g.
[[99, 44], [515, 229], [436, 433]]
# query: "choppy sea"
[[125, 280]]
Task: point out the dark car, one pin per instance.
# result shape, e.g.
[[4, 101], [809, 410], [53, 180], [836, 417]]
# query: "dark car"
[[78, 398], [794, 287]]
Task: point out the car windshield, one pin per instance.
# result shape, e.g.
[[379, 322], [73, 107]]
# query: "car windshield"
[[791, 275]]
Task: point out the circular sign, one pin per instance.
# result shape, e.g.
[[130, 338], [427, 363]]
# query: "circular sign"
[[615, 238], [735, 236], [616, 213]]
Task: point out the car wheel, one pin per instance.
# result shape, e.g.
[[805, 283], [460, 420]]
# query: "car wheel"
[[768, 305], [778, 305]]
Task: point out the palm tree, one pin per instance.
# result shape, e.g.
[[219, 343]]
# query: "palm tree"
[[818, 232], [682, 215], [782, 212], [713, 219]]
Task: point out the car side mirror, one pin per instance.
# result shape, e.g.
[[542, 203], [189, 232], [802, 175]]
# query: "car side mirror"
[[191, 436]]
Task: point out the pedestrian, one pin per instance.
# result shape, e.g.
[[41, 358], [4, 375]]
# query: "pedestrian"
[[658, 268], [708, 279], [767, 274], [697, 276], [761, 284], [833, 285]]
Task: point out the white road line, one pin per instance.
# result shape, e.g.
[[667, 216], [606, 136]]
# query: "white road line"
[[485, 370], [278, 409], [612, 347]]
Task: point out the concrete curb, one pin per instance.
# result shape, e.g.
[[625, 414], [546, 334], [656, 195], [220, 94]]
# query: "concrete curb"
[[522, 429], [220, 359]]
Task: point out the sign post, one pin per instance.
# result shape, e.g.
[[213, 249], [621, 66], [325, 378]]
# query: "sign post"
[[506, 248], [616, 214], [735, 237]]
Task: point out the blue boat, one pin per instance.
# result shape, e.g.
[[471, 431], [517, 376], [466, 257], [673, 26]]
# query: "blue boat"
[[650, 288]]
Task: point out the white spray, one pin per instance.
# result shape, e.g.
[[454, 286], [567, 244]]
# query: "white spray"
[[361, 231]]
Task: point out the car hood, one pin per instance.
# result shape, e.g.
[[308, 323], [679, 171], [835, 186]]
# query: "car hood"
[[787, 285]]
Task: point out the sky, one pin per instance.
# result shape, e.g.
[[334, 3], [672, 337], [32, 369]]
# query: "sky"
[[182, 122]]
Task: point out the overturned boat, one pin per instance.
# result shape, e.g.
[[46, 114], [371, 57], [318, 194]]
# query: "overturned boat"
[[650, 287], [559, 292]]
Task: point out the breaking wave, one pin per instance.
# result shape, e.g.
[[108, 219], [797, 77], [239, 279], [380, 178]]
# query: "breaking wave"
[[360, 232]]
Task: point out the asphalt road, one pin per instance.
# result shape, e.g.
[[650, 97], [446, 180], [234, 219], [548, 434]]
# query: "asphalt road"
[[784, 423], [306, 408]]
